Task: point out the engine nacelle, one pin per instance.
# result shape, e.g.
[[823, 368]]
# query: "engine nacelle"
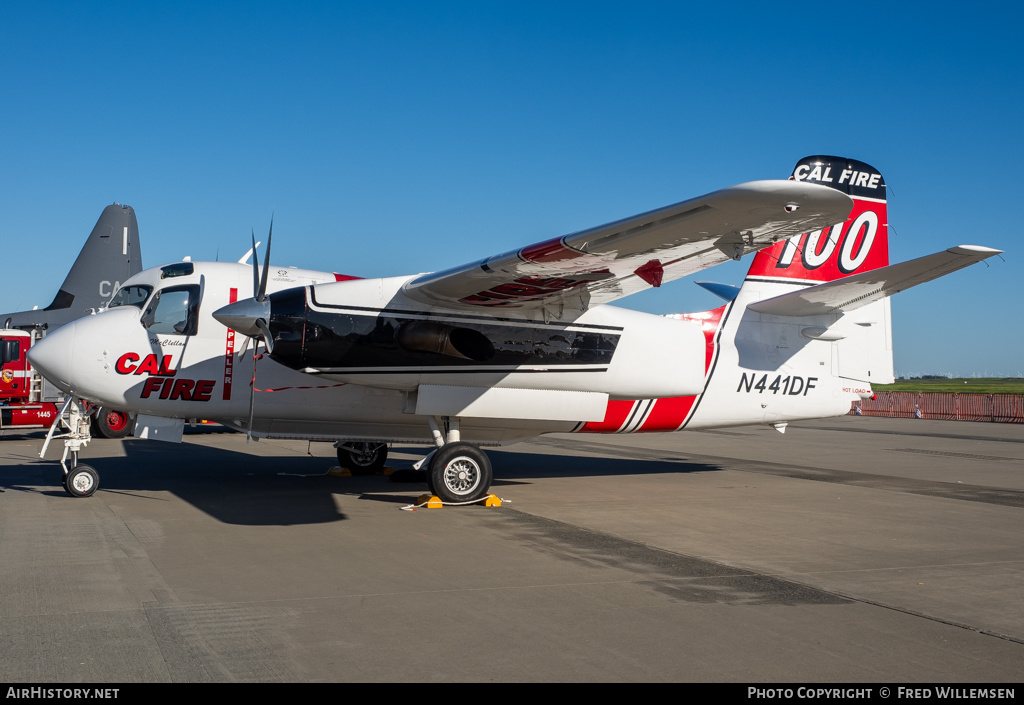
[[332, 330]]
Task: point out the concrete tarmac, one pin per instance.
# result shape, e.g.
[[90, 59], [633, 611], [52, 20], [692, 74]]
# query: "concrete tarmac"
[[847, 550]]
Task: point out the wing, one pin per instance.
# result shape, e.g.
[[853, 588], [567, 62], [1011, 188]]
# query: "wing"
[[852, 292], [602, 264]]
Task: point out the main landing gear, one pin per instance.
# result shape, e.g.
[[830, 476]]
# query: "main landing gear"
[[78, 480], [457, 472], [362, 458]]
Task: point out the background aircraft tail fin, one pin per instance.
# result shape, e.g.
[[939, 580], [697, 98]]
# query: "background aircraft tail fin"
[[110, 255]]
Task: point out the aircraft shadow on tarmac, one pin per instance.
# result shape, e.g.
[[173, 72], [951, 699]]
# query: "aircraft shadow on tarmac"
[[273, 490]]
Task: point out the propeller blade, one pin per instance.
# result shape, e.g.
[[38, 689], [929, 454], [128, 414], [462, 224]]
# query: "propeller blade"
[[266, 264], [268, 338], [255, 267], [250, 317]]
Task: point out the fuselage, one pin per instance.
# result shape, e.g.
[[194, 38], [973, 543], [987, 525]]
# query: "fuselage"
[[350, 356], [519, 344]]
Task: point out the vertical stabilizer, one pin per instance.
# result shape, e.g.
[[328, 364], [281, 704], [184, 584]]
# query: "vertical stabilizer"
[[859, 244], [861, 340], [111, 254], [775, 368]]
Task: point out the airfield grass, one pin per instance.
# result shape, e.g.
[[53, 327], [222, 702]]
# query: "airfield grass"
[[961, 385]]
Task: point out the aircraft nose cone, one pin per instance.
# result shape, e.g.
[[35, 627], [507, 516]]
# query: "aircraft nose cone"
[[242, 315], [53, 356]]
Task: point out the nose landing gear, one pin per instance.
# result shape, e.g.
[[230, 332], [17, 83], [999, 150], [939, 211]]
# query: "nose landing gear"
[[79, 480]]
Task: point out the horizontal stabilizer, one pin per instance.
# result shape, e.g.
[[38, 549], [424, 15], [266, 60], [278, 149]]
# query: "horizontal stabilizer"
[[862, 289], [726, 292]]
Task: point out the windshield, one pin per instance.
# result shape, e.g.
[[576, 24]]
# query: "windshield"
[[130, 296]]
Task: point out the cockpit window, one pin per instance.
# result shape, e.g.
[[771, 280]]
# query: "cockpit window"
[[180, 269], [130, 296], [173, 311]]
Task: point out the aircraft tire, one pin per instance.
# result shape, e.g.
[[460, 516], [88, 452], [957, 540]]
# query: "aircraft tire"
[[460, 472], [82, 481], [369, 460], [112, 423]]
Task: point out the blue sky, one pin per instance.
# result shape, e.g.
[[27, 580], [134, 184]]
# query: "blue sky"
[[398, 137]]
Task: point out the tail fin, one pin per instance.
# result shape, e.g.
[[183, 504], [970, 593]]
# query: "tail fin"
[[801, 267], [859, 244], [834, 284], [111, 254], [847, 263]]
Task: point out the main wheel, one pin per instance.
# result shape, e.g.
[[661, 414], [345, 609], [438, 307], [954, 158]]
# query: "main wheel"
[[363, 458], [111, 423], [82, 481], [460, 472]]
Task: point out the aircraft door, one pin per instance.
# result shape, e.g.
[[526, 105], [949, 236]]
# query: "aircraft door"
[[173, 311]]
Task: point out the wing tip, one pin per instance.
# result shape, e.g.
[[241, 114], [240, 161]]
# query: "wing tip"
[[975, 250]]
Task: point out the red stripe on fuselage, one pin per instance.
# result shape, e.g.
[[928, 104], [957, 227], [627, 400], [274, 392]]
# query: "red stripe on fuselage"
[[614, 417], [229, 352], [670, 413]]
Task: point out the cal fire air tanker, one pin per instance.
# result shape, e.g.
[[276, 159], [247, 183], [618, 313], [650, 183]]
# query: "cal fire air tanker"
[[521, 343]]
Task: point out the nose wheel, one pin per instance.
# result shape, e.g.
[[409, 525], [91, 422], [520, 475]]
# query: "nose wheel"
[[81, 481]]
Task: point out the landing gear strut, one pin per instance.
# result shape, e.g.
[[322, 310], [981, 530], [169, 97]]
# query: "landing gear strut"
[[79, 480]]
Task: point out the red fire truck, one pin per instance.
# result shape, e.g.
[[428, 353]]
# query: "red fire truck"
[[24, 403]]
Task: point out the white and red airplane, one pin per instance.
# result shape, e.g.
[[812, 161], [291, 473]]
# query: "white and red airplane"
[[522, 343]]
